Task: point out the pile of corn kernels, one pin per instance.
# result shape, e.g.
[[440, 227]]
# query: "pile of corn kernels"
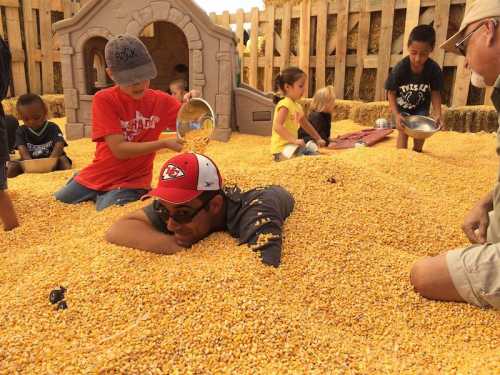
[[340, 303]]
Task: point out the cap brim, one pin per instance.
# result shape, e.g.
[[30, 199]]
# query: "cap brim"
[[173, 195], [135, 75]]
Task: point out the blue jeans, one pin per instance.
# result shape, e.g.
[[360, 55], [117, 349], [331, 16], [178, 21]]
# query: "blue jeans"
[[74, 193]]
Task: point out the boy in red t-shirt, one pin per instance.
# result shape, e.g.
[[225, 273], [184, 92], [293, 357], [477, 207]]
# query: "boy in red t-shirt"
[[127, 121]]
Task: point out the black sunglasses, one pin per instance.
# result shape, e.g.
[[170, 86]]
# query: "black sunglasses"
[[461, 46], [178, 217]]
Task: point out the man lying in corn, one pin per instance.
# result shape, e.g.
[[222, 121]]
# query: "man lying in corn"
[[190, 203], [472, 274]]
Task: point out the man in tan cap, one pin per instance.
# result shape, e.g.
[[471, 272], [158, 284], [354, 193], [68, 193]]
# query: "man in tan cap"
[[472, 274]]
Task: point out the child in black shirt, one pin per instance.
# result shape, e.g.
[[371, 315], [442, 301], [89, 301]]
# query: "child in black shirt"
[[320, 114], [415, 83], [37, 138]]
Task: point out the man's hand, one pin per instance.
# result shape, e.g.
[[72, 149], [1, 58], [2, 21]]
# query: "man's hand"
[[476, 224]]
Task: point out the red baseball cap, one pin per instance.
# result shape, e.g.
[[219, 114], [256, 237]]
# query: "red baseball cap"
[[185, 177]]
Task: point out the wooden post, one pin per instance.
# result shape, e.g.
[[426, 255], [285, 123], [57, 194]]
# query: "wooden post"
[[441, 20], [213, 17], [269, 57], [341, 50], [384, 52], [68, 8], [35, 84], [462, 80], [240, 32], [46, 43], [304, 39], [362, 49], [16, 48], [322, 21], [225, 20], [412, 20], [254, 47], [285, 35]]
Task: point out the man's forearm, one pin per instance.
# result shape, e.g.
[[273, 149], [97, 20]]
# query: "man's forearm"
[[487, 201]]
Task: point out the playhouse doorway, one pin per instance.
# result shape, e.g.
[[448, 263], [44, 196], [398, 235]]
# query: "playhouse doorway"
[[168, 47]]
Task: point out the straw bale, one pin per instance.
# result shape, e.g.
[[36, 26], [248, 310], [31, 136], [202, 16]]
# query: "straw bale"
[[367, 113], [342, 109], [471, 119], [55, 105]]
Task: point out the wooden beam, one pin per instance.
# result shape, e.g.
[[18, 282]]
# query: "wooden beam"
[[441, 26], [225, 20], [332, 42], [462, 80], [286, 25], [322, 20], [46, 43], [35, 83], [15, 44], [305, 39], [399, 44], [254, 47], [362, 50], [240, 19], [341, 50], [269, 55], [384, 48], [412, 20]]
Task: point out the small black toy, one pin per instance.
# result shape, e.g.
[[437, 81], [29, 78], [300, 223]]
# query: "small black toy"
[[57, 295], [62, 305]]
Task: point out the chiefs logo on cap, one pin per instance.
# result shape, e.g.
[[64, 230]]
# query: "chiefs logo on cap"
[[172, 172]]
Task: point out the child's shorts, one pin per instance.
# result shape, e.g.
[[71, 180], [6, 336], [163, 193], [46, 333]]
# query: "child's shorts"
[[3, 175], [301, 151]]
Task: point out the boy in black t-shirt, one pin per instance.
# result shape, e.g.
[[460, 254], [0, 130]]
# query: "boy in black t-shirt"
[[37, 138], [415, 83]]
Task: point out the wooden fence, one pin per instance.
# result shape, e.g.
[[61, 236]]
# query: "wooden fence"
[[349, 43], [27, 26]]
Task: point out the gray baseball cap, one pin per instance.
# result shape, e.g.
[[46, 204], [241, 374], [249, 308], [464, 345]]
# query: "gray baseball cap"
[[129, 60]]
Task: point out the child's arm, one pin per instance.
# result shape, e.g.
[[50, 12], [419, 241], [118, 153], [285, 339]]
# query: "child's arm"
[[307, 126], [23, 151], [7, 213], [391, 95], [279, 127], [436, 106], [122, 149], [58, 150]]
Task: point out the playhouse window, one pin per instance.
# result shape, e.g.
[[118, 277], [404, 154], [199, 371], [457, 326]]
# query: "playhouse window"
[[95, 65]]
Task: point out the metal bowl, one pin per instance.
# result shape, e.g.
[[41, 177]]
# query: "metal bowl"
[[195, 125], [419, 127], [43, 165]]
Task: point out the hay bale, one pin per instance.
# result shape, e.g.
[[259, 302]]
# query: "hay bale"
[[366, 113], [341, 111], [55, 105], [471, 119]]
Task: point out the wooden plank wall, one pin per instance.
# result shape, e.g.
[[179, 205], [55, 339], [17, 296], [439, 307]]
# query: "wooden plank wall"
[[331, 51], [33, 46]]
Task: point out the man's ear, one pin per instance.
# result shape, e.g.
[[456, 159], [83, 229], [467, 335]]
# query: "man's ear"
[[110, 73], [216, 204], [491, 28]]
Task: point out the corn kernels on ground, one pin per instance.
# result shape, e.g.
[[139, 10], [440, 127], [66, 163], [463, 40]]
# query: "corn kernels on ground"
[[340, 303]]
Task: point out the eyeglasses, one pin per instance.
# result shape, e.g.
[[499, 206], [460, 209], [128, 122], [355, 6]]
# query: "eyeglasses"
[[179, 217], [461, 46]]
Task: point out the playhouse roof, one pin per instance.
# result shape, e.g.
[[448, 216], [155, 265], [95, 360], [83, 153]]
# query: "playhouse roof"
[[92, 7]]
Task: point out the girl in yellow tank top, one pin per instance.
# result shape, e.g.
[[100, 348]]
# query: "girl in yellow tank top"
[[289, 116]]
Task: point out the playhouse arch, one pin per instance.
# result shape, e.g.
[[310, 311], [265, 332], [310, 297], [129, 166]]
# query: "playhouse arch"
[[162, 11]]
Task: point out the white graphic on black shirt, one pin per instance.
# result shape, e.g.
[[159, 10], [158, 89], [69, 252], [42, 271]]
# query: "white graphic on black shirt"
[[134, 127], [412, 95], [40, 151]]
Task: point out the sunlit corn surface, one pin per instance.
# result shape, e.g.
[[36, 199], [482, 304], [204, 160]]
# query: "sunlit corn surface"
[[340, 303]]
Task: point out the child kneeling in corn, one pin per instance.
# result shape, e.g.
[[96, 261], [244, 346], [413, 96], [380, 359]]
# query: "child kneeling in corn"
[[320, 114], [37, 138], [289, 117], [127, 121]]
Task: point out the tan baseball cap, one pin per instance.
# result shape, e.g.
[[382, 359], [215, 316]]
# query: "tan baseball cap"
[[478, 10]]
